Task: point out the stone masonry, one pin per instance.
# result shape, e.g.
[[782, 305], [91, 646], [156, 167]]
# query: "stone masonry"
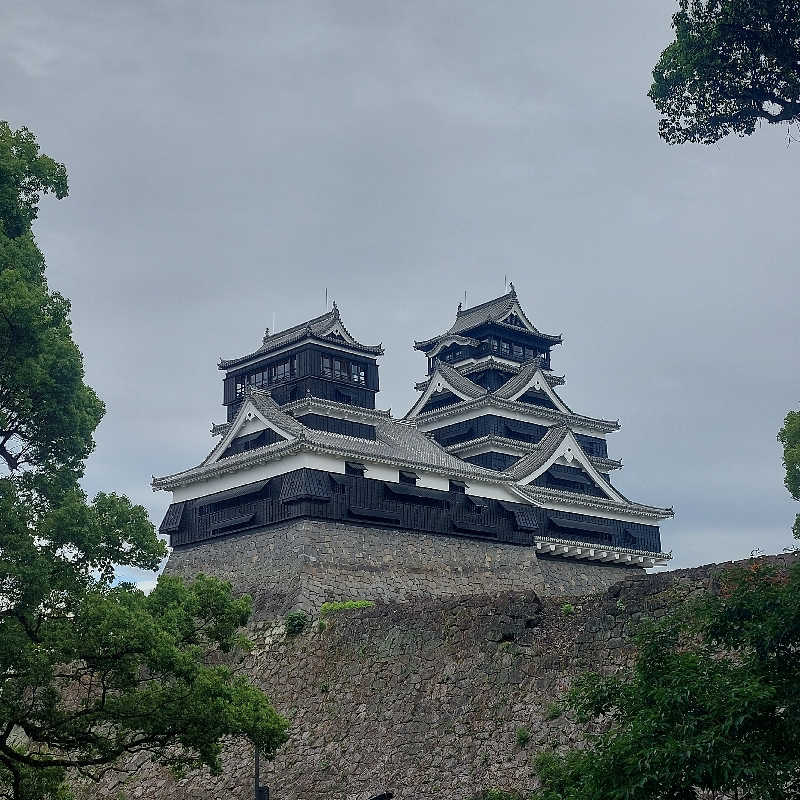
[[426, 698], [304, 563]]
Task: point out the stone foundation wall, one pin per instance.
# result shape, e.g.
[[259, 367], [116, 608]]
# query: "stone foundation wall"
[[304, 563], [426, 698], [567, 576]]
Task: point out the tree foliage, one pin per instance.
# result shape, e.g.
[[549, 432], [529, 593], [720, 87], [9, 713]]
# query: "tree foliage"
[[89, 670], [710, 708], [733, 65], [789, 437]]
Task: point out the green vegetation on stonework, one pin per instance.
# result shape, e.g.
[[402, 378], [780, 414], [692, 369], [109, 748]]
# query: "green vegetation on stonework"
[[91, 670], [523, 736], [789, 437], [497, 794], [734, 65], [568, 609], [344, 605], [553, 711], [295, 623], [711, 706]]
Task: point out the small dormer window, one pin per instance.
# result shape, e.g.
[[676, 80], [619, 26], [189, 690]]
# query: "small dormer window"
[[355, 469], [458, 487], [408, 477]]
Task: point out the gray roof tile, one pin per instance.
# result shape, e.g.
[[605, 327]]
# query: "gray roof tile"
[[318, 327], [492, 311]]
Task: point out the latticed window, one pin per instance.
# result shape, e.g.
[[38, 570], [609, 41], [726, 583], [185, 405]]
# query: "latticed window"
[[358, 374], [343, 370]]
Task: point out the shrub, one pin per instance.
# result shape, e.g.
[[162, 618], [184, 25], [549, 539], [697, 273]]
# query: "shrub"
[[568, 609], [553, 711], [295, 623], [343, 605], [523, 736]]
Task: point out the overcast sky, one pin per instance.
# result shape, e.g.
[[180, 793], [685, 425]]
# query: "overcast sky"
[[229, 161]]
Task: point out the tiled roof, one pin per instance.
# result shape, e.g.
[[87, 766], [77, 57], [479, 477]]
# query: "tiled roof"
[[400, 444], [460, 382], [319, 327], [521, 380], [542, 496], [492, 311], [397, 443], [491, 401], [531, 462]]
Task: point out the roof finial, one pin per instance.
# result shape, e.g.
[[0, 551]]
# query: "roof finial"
[[511, 286], [459, 308], [335, 308], [266, 336]]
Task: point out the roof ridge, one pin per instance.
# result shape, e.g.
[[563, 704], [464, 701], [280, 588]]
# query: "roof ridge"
[[307, 323], [510, 294]]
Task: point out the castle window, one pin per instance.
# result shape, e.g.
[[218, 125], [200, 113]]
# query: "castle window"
[[458, 487], [518, 351], [355, 469], [358, 374], [327, 370], [408, 477], [530, 353], [505, 347]]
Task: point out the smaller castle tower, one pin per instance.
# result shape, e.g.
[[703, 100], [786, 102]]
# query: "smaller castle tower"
[[318, 358]]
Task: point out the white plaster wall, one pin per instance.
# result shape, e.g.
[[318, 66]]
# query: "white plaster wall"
[[259, 472]]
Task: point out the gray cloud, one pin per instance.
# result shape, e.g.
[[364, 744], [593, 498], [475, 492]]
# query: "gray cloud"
[[231, 161]]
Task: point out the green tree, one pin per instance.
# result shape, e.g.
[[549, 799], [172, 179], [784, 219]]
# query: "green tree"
[[89, 670], [712, 703], [789, 437], [733, 65]]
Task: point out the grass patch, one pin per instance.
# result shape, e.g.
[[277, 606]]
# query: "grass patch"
[[553, 711], [343, 605]]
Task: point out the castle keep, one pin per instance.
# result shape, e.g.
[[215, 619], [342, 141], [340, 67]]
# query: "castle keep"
[[489, 483]]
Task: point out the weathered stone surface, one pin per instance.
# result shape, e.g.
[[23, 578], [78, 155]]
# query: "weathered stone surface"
[[421, 697], [305, 563]]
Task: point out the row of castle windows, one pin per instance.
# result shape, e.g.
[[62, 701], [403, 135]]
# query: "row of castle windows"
[[503, 347], [275, 373], [285, 370], [342, 370]]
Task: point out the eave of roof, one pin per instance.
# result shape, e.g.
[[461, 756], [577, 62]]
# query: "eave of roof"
[[541, 495], [313, 329], [489, 362], [492, 311], [490, 440], [568, 548], [600, 425]]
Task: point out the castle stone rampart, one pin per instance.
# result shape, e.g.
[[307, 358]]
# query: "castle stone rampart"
[[304, 563], [425, 698]]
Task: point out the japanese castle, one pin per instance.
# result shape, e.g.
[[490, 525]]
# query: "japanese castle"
[[489, 451]]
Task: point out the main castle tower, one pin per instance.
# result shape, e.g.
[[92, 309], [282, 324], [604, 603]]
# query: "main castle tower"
[[490, 482]]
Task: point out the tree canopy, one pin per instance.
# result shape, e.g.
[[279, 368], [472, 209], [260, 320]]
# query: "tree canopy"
[[89, 669], [734, 64], [711, 707], [789, 437]]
